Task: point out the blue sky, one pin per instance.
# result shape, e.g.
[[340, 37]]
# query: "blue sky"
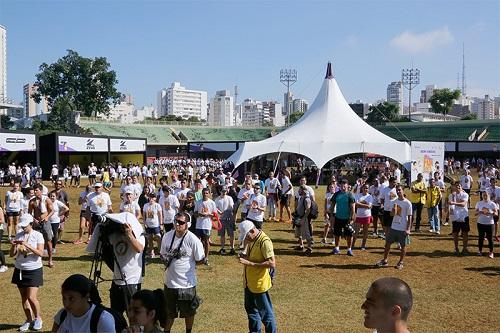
[[214, 45]]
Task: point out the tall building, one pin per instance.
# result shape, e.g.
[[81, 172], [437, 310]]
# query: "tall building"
[[221, 109], [299, 105], [426, 94], [253, 114], [275, 113], [181, 102], [395, 94], [484, 108], [3, 64], [287, 103], [32, 108]]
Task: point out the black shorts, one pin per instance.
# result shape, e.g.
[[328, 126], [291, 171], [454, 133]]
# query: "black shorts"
[[375, 211], [120, 295], [28, 278], [55, 178], [340, 228], [85, 214], [181, 303], [92, 177], [387, 219], [285, 200], [461, 226], [13, 213]]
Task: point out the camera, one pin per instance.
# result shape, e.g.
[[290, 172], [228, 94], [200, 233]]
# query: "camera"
[[107, 226]]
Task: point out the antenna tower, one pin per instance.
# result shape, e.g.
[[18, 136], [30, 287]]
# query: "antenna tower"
[[463, 71], [288, 77]]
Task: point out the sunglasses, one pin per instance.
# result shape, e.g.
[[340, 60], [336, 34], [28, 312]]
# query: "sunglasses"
[[180, 222]]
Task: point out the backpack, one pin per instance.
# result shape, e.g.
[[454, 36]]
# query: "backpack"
[[314, 211], [120, 322]]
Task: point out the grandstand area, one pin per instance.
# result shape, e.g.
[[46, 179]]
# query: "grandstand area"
[[157, 134]]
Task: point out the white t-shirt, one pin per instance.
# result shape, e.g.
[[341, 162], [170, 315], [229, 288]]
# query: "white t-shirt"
[[458, 213], [271, 185], [130, 207], [181, 194], [328, 198], [466, 182], [170, 207], [55, 172], [310, 192], [244, 194], [205, 207], [72, 324], [56, 208], [83, 195], [389, 194], [375, 192], [182, 272], [150, 214], [13, 203], [286, 184], [98, 202], [92, 170], [366, 199], [397, 175], [488, 206], [402, 209], [31, 261], [129, 260], [66, 173], [256, 201], [484, 183], [225, 206], [137, 189]]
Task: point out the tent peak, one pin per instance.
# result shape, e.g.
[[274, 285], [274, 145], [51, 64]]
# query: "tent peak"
[[329, 74]]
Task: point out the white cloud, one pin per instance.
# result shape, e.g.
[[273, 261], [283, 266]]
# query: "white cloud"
[[414, 43]]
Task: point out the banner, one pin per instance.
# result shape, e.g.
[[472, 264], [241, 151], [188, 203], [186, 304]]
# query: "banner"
[[426, 158], [125, 145], [82, 144], [17, 142]]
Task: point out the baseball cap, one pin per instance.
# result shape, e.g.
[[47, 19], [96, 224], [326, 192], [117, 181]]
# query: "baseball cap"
[[224, 188], [98, 185], [129, 192], [244, 228], [25, 220]]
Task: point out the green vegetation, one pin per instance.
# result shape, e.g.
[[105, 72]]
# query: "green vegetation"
[[442, 100]]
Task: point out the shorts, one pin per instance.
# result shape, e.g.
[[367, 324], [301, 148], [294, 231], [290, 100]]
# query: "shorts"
[[340, 228], [153, 231], [120, 295], [387, 218], [91, 176], [285, 200], [85, 214], [28, 278], [107, 184], [46, 230], [203, 234], [375, 211], [12, 214], [396, 236], [181, 303], [55, 178], [228, 226], [363, 220], [458, 226]]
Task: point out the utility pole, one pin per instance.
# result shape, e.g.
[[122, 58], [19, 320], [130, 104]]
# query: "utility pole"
[[410, 79], [288, 77]]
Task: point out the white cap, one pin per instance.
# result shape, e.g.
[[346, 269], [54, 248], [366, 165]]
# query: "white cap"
[[244, 228], [25, 220], [98, 184]]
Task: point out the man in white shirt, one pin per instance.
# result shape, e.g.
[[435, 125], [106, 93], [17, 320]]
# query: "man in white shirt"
[[459, 216], [225, 205], [170, 206], [399, 230], [256, 206], [92, 173], [243, 195], [204, 211], [272, 185], [98, 201], [181, 251], [466, 183]]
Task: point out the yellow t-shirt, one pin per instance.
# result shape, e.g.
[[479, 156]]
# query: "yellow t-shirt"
[[417, 197], [257, 279], [433, 196], [105, 177]]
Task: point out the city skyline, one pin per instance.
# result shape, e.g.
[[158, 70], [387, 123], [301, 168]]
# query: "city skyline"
[[209, 46]]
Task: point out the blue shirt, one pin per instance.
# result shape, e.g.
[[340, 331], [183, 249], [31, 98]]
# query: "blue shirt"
[[343, 201]]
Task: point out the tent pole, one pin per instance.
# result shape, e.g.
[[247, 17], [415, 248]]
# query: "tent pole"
[[277, 162]]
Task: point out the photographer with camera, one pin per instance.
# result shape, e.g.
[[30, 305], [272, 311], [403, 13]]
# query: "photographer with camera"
[[40, 207], [99, 203], [181, 251]]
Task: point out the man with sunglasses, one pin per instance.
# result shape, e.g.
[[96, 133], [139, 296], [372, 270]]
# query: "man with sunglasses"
[[181, 251]]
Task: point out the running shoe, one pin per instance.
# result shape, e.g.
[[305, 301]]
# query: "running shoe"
[[222, 251], [399, 265], [382, 263], [350, 253], [3, 269], [491, 255], [335, 251], [24, 327], [37, 324]]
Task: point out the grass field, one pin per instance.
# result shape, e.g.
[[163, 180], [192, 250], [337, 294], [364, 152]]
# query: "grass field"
[[321, 293]]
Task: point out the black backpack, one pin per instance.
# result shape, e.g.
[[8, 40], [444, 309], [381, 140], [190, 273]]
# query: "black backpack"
[[314, 212], [120, 322]]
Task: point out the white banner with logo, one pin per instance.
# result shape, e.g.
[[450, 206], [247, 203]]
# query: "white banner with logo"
[[426, 158], [17, 142], [125, 145], [82, 144]]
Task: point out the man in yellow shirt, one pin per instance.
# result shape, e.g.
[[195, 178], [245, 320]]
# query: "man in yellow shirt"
[[257, 260], [433, 198], [417, 198]]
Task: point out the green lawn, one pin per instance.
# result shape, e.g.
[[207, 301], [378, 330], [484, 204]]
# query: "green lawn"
[[321, 293]]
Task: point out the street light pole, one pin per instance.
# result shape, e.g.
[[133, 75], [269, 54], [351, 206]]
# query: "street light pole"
[[288, 77], [410, 79]]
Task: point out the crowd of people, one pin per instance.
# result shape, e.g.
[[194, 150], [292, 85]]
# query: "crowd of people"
[[171, 208]]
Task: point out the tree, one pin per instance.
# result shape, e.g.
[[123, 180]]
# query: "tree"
[[294, 117], [86, 84], [442, 100], [382, 113], [5, 122], [469, 116]]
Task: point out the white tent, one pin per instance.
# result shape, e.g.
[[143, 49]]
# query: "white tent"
[[329, 129]]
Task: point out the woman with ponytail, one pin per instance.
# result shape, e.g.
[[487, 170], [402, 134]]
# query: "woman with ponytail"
[[80, 297], [146, 311]]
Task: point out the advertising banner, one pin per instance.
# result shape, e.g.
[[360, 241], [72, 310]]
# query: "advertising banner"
[[426, 158], [125, 145], [17, 142], [82, 144]]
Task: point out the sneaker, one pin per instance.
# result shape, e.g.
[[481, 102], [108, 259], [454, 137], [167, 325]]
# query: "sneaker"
[[308, 251], [299, 248], [457, 252], [60, 242], [431, 231], [3, 269], [465, 252], [363, 248], [382, 263], [491, 255], [446, 223], [323, 241], [206, 263], [349, 253], [438, 232], [232, 252], [399, 265], [222, 252], [336, 251], [480, 254], [333, 242], [24, 327], [152, 255], [54, 251], [37, 324], [374, 234]]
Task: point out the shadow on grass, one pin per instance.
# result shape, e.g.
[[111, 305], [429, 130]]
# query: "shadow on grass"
[[7, 327], [488, 271], [346, 266]]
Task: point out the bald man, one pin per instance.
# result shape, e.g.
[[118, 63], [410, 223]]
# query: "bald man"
[[387, 306]]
